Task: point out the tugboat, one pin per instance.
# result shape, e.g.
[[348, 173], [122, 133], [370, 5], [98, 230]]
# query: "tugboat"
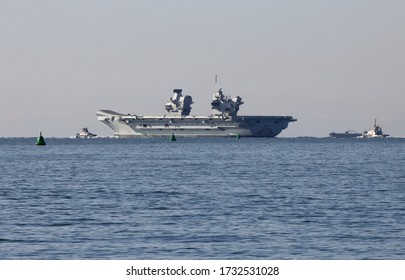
[[85, 133], [375, 132]]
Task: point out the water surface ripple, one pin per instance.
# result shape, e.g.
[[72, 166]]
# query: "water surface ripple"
[[279, 198]]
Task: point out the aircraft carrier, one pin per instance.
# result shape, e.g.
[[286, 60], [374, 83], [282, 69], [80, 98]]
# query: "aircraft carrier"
[[222, 122]]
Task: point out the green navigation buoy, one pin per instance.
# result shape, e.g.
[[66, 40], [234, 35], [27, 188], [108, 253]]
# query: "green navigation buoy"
[[238, 136], [172, 138], [41, 140]]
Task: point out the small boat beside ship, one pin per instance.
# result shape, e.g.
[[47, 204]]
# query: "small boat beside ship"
[[85, 133], [375, 132]]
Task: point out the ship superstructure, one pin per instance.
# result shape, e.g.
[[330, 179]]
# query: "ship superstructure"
[[375, 132], [222, 122], [179, 105]]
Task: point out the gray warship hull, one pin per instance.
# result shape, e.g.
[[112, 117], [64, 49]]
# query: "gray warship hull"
[[223, 122], [347, 134], [129, 126]]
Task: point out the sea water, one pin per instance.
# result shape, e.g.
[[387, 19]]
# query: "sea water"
[[277, 198]]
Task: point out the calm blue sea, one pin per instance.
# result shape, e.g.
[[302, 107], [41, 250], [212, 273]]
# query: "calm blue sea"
[[281, 198]]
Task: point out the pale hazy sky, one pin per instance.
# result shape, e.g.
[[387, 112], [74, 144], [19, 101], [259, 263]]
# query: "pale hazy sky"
[[334, 65]]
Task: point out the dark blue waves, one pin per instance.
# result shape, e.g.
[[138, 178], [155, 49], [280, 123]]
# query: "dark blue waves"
[[202, 199]]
